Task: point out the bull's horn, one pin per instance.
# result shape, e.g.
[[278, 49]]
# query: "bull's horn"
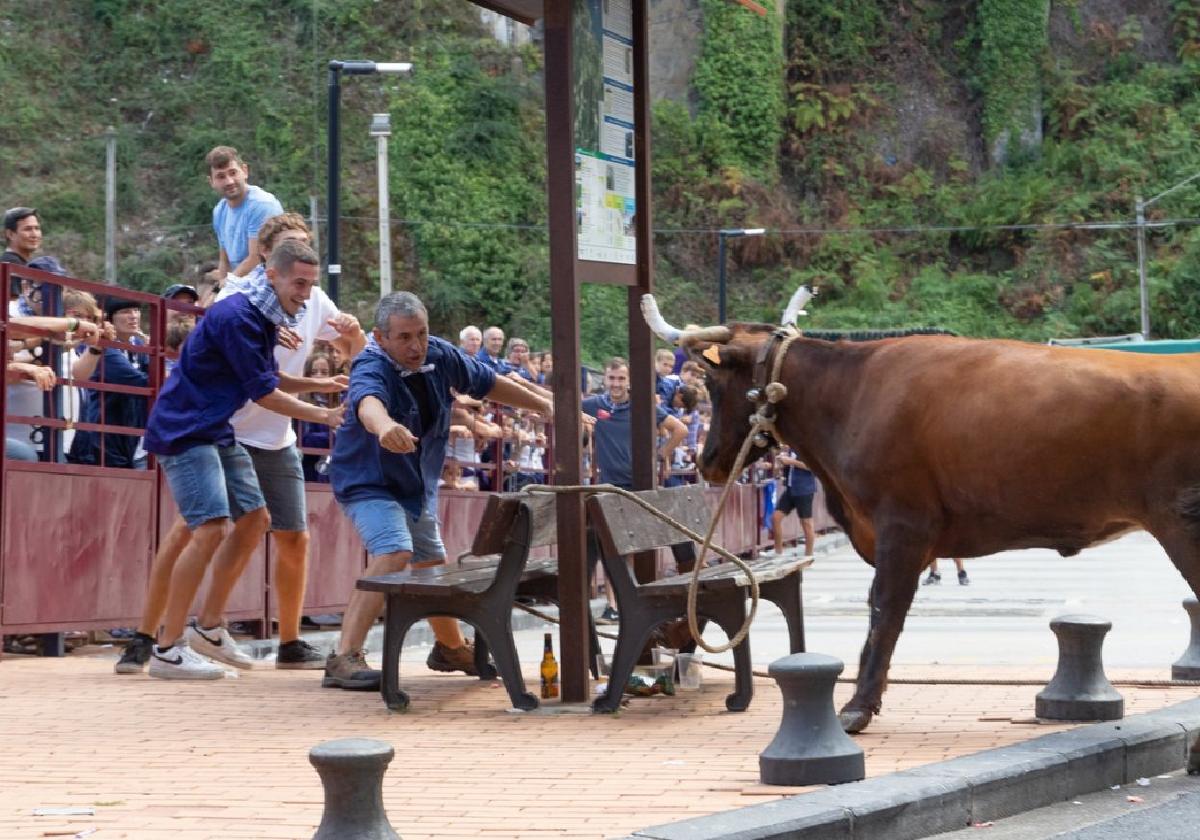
[[717, 335], [658, 324], [795, 307], [714, 335]]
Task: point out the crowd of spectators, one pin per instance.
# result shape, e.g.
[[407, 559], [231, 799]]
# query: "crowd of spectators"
[[491, 448]]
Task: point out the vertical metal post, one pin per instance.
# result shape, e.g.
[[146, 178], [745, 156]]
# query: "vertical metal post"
[[314, 222], [720, 278], [564, 331], [1143, 291], [381, 130], [333, 268], [110, 205]]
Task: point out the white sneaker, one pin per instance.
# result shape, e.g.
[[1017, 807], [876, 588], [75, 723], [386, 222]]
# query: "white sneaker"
[[217, 644], [180, 662]]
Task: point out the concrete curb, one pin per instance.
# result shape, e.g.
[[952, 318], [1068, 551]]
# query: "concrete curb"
[[953, 794]]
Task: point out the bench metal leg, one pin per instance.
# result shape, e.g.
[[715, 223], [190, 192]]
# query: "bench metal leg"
[[730, 615], [397, 622], [505, 653], [788, 594]]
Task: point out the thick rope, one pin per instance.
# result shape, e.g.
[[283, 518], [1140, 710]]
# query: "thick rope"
[[705, 540], [760, 423]]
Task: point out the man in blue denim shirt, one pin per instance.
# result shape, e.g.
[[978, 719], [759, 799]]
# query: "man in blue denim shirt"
[[386, 463], [228, 359]]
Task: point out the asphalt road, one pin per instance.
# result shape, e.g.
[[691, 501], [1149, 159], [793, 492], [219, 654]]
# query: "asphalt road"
[[1002, 617], [1169, 809]]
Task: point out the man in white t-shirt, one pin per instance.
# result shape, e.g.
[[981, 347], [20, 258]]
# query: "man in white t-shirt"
[[270, 441]]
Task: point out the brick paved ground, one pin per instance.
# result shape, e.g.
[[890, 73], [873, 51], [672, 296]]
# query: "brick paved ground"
[[229, 759]]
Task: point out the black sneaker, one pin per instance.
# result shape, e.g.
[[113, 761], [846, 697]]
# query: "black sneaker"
[[609, 616], [136, 655], [932, 577], [299, 655], [963, 580]]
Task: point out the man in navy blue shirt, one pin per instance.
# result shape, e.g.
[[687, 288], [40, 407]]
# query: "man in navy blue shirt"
[[386, 463], [612, 444], [227, 360], [797, 496], [612, 430]]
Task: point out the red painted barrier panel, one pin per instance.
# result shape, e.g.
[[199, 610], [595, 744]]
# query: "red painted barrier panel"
[[336, 557], [77, 546]]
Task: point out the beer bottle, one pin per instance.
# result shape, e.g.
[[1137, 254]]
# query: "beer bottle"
[[549, 671]]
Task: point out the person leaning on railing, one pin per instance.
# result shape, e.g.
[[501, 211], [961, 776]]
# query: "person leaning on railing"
[[113, 366], [40, 375]]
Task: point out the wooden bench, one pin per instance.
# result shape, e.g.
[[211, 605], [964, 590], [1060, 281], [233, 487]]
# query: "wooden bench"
[[479, 590], [624, 528]]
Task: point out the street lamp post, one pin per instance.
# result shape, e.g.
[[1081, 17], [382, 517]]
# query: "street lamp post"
[[1140, 213], [722, 235], [336, 69], [381, 130]]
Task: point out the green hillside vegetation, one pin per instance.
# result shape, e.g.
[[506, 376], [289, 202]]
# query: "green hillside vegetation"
[[794, 128]]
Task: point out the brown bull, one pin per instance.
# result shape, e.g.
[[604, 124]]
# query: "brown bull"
[[934, 446]]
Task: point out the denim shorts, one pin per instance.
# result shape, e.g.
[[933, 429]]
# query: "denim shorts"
[[281, 480], [209, 481], [385, 528]]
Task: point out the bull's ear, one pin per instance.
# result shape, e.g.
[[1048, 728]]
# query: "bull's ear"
[[713, 354]]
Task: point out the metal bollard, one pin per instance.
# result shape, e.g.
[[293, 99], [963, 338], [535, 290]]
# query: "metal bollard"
[[1187, 667], [1079, 689], [351, 769], [810, 747]]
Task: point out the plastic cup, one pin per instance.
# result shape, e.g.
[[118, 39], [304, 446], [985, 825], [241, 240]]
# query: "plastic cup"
[[690, 666]]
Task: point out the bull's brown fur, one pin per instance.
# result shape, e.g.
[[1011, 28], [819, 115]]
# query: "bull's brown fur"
[[938, 447]]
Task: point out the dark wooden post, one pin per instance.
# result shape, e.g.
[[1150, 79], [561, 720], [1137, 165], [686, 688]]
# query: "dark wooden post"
[[641, 341], [564, 341]]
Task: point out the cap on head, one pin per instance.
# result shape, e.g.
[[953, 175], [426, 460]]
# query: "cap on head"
[[14, 215], [181, 288], [48, 263], [113, 305]]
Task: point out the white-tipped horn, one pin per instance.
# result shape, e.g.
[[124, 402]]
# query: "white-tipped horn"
[[658, 324], [795, 307]]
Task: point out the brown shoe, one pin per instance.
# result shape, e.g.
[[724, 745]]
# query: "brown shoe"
[[350, 670], [448, 659]]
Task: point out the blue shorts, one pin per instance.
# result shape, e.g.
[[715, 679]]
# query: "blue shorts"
[[385, 527], [209, 481]]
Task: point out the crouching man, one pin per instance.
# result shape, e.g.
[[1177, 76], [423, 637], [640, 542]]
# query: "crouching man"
[[386, 463]]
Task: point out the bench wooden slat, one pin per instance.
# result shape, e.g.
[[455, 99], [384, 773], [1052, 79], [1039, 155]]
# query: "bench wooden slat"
[[500, 514], [728, 576], [443, 579], [631, 528]]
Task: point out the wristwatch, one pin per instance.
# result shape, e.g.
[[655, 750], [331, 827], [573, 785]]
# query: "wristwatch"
[[96, 351]]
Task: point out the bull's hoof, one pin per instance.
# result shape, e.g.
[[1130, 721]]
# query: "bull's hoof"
[[854, 720]]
